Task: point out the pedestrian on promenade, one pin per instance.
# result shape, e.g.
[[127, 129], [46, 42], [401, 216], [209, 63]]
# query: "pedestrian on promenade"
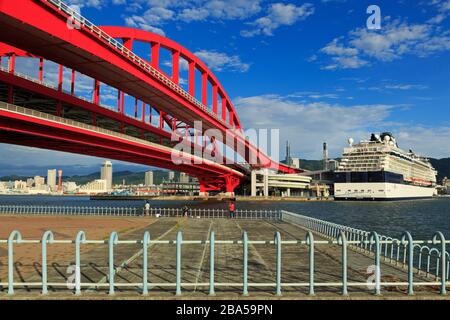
[[185, 211], [147, 208], [231, 209]]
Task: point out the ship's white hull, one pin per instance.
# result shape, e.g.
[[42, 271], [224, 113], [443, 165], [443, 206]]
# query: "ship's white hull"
[[380, 191]]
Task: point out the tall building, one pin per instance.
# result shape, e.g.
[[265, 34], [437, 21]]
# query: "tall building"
[[96, 186], [288, 154], [171, 175], [60, 189], [39, 181], [295, 162], [149, 178], [184, 178], [51, 179], [106, 173], [30, 182]]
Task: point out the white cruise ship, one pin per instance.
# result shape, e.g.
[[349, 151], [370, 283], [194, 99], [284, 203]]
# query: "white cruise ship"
[[379, 170]]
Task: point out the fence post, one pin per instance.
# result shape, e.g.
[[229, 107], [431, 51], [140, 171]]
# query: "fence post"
[[441, 240], [47, 237], [179, 241], [310, 243], [211, 263], [407, 240], [278, 275], [145, 244], [80, 238], [342, 240], [245, 260], [113, 240], [374, 238], [14, 236]]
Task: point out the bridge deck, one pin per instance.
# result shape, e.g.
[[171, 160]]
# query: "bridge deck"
[[195, 262]]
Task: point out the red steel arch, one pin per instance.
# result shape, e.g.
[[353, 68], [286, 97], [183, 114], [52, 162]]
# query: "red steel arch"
[[129, 35], [39, 27]]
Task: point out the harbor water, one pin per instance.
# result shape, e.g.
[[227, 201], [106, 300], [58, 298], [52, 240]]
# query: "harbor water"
[[420, 217]]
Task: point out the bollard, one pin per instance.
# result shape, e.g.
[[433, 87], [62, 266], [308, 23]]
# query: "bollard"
[[47, 237], [80, 238], [211, 263], [342, 240], [245, 261], [14, 236], [374, 238], [407, 240], [441, 240], [310, 243], [113, 240], [278, 272], [145, 244], [179, 241]]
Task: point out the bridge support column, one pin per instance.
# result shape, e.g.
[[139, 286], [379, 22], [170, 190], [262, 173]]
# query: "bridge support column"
[[230, 184], [60, 77], [175, 66], [203, 190], [214, 99], [224, 109], [96, 93], [143, 113], [204, 88], [41, 69], [191, 82], [72, 84], [155, 54], [12, 66]]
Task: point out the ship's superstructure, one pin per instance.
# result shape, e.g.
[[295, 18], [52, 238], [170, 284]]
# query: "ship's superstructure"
[[379, 170]]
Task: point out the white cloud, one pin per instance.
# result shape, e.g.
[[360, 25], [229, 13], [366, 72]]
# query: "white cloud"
[[393, 41], [279, 14], [87, 3], [443, 8], [308, 124], [158, 13], [141, 23], [218, 61], [429, 142]]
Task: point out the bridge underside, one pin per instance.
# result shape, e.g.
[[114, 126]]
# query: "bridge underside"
[[23, 129]]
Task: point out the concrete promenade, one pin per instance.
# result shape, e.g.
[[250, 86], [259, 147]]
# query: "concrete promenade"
[[228, 268]]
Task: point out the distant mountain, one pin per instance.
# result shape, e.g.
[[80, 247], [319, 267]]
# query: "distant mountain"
[[137, 177], [442, 166], [10, 169], [118, 177], [311, 165]]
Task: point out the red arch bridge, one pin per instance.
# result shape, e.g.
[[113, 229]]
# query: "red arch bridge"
[[152, 120]]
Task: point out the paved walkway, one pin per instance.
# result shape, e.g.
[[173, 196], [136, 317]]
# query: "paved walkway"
[[228, 263]]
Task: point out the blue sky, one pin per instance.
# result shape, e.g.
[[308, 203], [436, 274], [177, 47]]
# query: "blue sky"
[[311, 69]]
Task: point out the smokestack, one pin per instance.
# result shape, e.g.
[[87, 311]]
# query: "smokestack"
[[60, 180], [325, 156]]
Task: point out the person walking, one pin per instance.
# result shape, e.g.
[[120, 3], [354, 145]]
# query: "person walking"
[[185, 211], [231, 209], [147, 208]]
